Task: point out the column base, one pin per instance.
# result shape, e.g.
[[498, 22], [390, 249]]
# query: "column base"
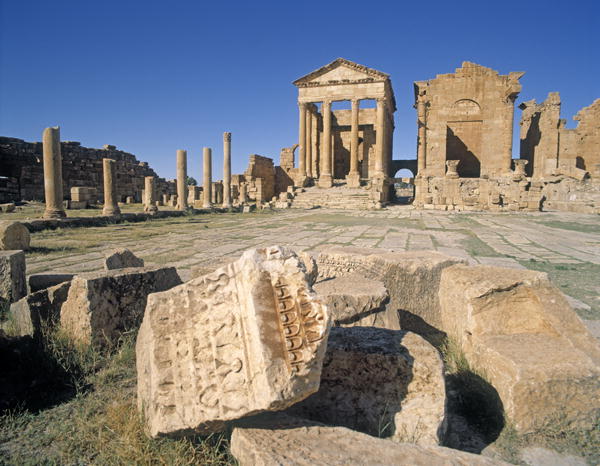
[[325, 181], [54, 213], [111, 212], [353, 180], [151, 209]]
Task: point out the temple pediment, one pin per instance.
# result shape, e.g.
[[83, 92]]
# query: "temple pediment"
[[341, 71]]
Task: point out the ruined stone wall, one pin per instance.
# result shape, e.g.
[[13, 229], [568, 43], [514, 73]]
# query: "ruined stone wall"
[[552, 149], [82, 166], [468, 117], [260, 176]]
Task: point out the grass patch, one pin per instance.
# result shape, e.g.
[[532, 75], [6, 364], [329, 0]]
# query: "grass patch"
[[100, 423], [475, 247], [571, 226], [349, 220]]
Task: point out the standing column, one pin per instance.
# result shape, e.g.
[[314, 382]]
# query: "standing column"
[[207, 183], [353, 177], [421, 141], [314, 140], [227, 170], [111, 207], [53, 174], [308, 145], [379, 138], [302, 140], [325, 180], [150, 195], [508, 142], [182, 191]]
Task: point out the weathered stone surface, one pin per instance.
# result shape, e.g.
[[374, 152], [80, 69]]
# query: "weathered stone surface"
[[102, 305], [285, 440], [247, 338], [517, 329], [411, 278], [41, 281], [13, 236], [8, 207], [538, 456], [30, 312], [385, 383], [12, 276], [312, 270], [353, 299], [121, 259]]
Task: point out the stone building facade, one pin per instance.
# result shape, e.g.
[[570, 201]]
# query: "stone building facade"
[[353, 145], [22, 171]]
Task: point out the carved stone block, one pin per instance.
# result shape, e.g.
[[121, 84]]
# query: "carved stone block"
[[247, 338]]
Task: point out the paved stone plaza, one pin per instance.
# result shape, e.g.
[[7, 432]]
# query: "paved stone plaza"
[[566, 245]]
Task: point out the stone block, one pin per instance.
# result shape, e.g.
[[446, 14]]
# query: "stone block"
[[14, 236], [247, 338], [411, 278], [121, 259], [386, 383], [77, 205], [29, 313], [103, 305], [353, 299], [12, 276], [518, 329], [7, 208], [41, 281], [287, 440]]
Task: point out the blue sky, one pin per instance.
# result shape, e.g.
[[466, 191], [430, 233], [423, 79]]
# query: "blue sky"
[[153, 77]]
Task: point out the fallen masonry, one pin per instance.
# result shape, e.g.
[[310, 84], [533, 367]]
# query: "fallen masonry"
[[102, 305], [14, 236], [281, 439], [121, 259], [249, 337], [12, 276], [385, 383]]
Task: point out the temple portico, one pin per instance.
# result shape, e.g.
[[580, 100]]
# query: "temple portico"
[[355, 144]]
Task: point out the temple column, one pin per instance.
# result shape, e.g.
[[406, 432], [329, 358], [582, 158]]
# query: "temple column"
[[379, 139], [227, 170], [314, 141], [308, 145], [207, 182], [182, 194], [150, 195], [302, 140], [325, 179], [53, 190], [421, 141], [111, 207], [353, 177]]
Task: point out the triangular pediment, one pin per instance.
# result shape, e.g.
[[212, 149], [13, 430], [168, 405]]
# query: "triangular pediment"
[[341, 71]]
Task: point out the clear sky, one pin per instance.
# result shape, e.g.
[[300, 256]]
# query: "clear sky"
[[152, 77]]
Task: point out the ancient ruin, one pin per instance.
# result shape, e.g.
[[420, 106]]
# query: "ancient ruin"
[[53, 185], [182, 188]]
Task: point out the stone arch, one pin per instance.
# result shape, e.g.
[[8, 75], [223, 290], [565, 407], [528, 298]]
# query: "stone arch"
[[466, 108], [398, 165]]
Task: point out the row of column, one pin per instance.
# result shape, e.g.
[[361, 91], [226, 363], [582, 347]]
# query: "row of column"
[[53, 183], [307, 152]]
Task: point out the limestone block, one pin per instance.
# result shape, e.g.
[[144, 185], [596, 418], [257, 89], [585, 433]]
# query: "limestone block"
[[247, 338], [41, 281], [30, 312], [7, 208], [353, 299], [310, 264], [518, 329], [102, 305], [14, 236], [386, 383], [286, 440], [411, 278], [121, 259], [12, 276]]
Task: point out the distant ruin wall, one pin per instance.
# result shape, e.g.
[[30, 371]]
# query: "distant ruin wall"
[[22, 173]]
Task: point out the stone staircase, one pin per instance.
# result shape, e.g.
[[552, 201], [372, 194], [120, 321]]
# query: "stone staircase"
[[337, 197]]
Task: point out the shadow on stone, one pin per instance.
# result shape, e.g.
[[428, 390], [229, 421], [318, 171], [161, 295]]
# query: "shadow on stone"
[[414, 323]]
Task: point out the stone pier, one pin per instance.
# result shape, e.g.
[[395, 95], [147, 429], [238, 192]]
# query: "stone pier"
[[150, 195], [53, 173], [111, 207], [227, 170], [182, 191], [207, 174]]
